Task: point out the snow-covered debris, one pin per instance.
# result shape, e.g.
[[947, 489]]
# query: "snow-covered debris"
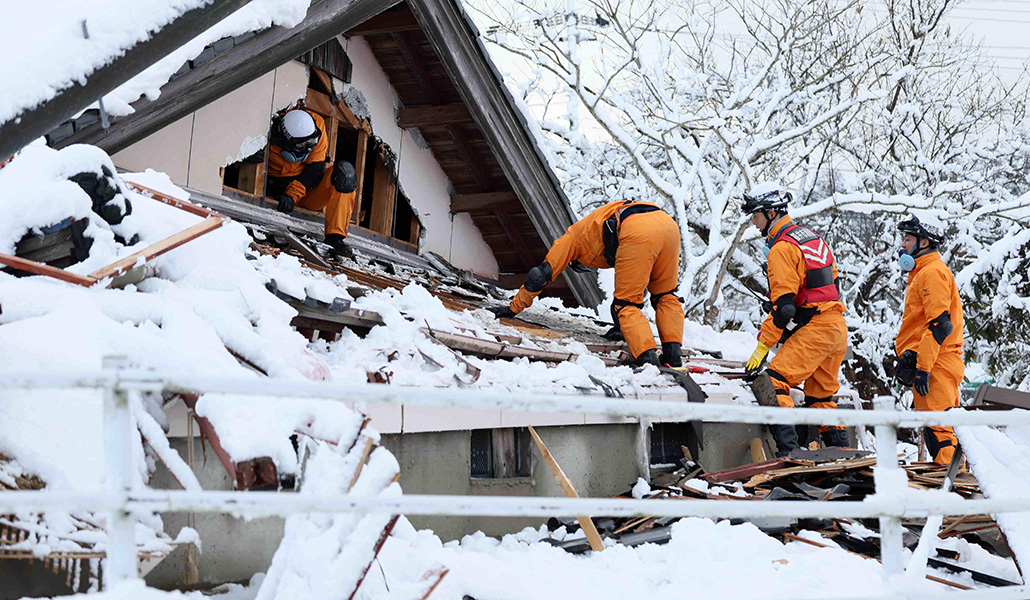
[[1001, 460]]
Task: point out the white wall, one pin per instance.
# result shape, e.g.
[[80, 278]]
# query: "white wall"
[[421, 177], [193, 149]]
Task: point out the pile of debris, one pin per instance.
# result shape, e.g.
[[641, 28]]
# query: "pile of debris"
[[825, 475]]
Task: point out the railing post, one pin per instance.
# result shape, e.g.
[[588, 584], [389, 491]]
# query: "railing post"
[[887, 477], [122, 562]]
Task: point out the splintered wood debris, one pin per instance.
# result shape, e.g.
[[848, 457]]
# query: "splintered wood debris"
[[806, 476]]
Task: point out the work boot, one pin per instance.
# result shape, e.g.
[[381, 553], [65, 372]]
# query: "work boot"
[[786, 438], [835, 438], [339, 245], [764, 390], [671, 354], [649, 357]]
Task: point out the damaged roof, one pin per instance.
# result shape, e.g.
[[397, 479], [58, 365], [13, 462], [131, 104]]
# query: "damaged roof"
[[451, 90]]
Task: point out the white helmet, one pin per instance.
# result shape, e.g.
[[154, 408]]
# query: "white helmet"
[[296, 134]]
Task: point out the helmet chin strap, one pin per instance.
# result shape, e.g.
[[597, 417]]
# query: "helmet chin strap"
[[768, 222]]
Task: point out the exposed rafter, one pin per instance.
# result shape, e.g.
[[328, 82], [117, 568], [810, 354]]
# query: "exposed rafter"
[[518, 241], [79, 94], [485, 202], [429, 115], [462, 145], [418, 70], [389, 22], [229, 71]]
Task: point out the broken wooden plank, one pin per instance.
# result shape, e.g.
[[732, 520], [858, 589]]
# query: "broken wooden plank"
[[189, 207], [31, 266], [379, 546], [305, 250], [745, 472], [154, 250], [435, 576], [570, 492]]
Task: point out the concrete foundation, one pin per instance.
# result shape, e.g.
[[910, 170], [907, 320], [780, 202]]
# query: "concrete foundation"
[[598, 459], [232, 549]]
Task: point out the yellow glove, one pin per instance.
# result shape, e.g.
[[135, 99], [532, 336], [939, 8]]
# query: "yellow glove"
[[757, 359]]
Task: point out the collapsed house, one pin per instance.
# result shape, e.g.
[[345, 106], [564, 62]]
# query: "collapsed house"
[[456, 203]]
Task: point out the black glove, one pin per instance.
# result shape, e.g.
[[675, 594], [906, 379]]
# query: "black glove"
[[921, 383], [767, 306], [286, 204], [501, 312], [905, 370]]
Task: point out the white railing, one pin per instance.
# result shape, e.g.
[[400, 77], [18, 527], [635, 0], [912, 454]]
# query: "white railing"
[[120, 501]]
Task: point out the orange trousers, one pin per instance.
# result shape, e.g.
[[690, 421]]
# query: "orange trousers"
[[945, 377], [338, 206], [648, 259], [812, 355]]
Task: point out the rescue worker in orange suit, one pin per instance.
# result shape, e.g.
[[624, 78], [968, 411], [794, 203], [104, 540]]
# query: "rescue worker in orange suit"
[[642, 242], [805, 314], [300, 175], [929, 343]]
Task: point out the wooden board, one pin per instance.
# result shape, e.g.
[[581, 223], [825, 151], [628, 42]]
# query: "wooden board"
[[31, 266], [570, 492], [154, 250]]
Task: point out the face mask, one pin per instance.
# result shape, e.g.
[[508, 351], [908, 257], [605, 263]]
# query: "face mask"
[[765, 250], [905, 260], [294, 157]]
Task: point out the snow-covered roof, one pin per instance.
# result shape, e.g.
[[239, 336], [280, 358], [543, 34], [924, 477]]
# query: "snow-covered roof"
[[47, 55]]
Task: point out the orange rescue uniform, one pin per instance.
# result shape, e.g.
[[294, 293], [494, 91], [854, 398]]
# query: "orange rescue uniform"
[[814, 352], [338, 206], [931, 291], [647, 259]]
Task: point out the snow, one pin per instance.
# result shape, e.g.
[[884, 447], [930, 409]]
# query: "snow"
[[709, 559], [47, 55], [1000, 458]]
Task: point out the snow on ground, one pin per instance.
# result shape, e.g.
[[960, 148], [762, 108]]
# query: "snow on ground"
[[47, 52], [704, 559], [1000, 458]]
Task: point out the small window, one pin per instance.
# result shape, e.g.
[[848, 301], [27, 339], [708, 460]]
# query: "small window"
[[667, 442], [500, 453]]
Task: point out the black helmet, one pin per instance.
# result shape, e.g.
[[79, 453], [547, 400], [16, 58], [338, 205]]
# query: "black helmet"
[[296, 134], [766, 196], [920, 230]]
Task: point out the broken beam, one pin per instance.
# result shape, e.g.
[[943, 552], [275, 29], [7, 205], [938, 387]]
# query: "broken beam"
[[430, 114], [585, 523]]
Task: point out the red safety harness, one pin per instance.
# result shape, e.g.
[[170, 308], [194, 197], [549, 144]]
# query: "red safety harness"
[[819, 283]]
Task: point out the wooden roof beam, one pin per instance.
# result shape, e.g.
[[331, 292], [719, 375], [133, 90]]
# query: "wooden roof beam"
[[462, 145], [518, 241], [438, 114], [391, 22], [486, 202], [415, 65]]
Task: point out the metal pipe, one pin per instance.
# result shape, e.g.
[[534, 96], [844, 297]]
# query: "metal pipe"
[[488, 399], [121, 563], [254, 504], [890, 482]]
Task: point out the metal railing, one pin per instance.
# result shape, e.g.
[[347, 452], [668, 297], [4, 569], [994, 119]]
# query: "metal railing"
[[890, 504]]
